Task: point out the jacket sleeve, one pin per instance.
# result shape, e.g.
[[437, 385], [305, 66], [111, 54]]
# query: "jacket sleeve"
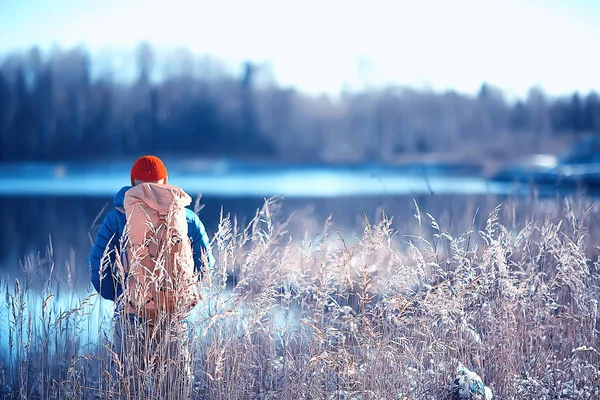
[[200, 243], [102, 258]]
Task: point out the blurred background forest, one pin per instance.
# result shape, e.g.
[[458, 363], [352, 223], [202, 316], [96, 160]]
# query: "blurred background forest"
[[53, 108]]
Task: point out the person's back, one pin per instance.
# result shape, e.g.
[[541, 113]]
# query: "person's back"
[[159, 261]]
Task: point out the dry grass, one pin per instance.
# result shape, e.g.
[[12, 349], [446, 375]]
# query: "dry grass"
[[386, 315]]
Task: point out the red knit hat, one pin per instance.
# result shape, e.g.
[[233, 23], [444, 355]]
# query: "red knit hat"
[[148, 169]]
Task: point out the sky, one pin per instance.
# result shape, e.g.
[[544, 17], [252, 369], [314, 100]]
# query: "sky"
[[324, 46]]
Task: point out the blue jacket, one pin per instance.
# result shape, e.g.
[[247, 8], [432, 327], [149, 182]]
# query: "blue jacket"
[[108, 242]]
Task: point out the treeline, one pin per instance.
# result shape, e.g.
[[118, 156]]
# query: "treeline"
[[52, 108]]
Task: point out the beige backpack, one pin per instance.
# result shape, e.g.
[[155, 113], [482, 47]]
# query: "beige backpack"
[[160, 275]]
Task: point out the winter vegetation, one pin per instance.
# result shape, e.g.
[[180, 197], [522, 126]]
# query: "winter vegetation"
[[65, 104], [314, 314]]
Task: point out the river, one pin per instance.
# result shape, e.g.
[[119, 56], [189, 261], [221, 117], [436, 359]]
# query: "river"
[[62, 203]]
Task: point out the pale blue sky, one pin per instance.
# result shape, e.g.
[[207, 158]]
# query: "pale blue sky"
[[320, 46]]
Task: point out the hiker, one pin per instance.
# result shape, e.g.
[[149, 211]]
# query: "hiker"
[[148, 242], [147, 169]]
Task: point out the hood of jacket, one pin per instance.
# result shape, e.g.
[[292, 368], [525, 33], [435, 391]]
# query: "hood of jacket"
[[159, 197]]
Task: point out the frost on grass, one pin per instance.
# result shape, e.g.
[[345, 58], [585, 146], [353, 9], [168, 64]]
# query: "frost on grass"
[[390, 313]]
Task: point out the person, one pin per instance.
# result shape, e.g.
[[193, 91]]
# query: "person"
[[146, 169], [134, 337]]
